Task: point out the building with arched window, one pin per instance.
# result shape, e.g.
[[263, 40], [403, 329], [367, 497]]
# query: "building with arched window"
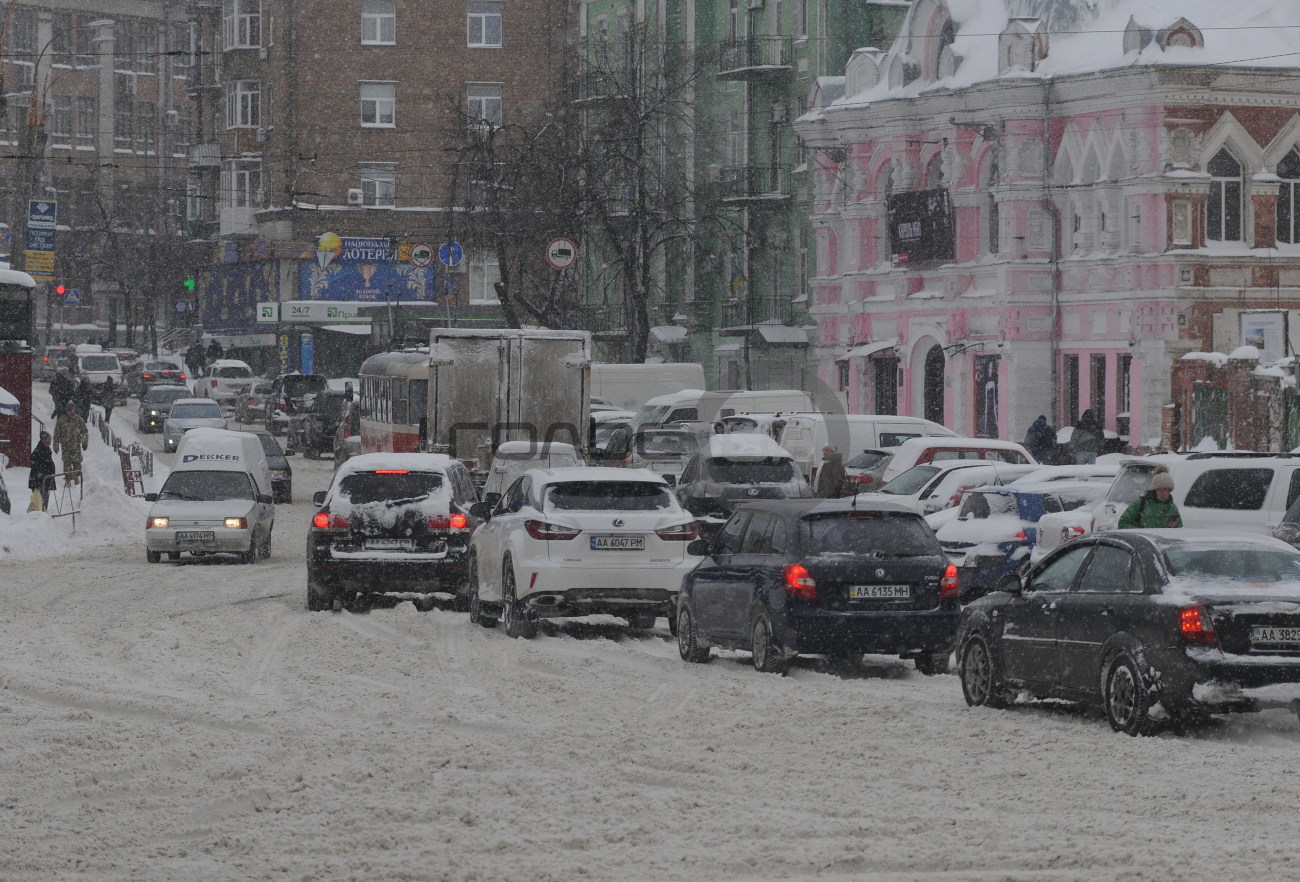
[[1057, 201]]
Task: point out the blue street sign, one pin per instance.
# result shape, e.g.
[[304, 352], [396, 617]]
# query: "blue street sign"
[[9, 238], [306, 366], [181, 306], [450, 253], [42, 213], [72, 297], [40, 238]]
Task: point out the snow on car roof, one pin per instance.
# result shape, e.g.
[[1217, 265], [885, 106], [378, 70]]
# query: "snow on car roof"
[[594, 473], [204, 401], [416, 462], [538, 448], [744, 445], [963, 443], [1084, 488]]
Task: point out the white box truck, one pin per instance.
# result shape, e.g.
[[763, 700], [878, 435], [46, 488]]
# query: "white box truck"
[[628, 386]]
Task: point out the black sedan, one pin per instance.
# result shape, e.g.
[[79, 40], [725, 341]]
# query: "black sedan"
[[1154, 626], [785, 577]]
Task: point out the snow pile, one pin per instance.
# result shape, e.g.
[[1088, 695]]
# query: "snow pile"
[[1245, 353], [1218, 359]]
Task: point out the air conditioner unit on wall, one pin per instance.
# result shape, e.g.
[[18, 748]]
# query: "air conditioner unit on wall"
[[356, 197]]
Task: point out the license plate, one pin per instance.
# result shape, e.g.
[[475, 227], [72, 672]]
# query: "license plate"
[[388, 544], [200, 537], [618, 543], [1275, 636], [880, 592]]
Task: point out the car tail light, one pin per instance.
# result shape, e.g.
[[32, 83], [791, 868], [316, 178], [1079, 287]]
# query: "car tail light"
[[1021, 536], [183, 377], [323, 520], [1071, 532], [442, 522], [543, 530], [147, 376], [627, 458], [859, 479], [798, 582], [679, 532], [948, 587], [391, 472], [279, 405], [1195, 626], [214, 383]]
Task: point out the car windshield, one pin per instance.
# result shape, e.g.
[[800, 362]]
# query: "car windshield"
[[99, 363], [608, 496], [233, 372], [665, 444], [867, 532], [977, 506], [270, 446], [164, 394], [910, 481], [1234, 568], [651, 415], [867, 459], [769, 470], [604, 430], [299, 385], [331, 405], [388, 486], [208, 410], [1129, 484], [197, 486]]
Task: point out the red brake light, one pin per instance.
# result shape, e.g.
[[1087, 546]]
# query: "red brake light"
[[321, 521], [1021, 536], [147, 376], [1195, 626], [214, 384], [948, 587], [183, 377], [391, 472], [679, 532], [543, 530], [459, 521], [442, 522], [798, 583]]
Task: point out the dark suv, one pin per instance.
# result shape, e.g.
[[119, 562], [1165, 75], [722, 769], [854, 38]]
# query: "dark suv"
[[786, 577], [390, 522], [286, 398], [312, 429]]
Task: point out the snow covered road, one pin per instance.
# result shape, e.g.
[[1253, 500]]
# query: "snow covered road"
[[195, 722]]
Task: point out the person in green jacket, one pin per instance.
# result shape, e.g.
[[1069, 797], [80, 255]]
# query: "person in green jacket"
[[1155, 509]]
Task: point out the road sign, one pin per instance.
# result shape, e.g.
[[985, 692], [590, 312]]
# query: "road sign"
[[40, 238], [39, 265], [306, 363], [561, 253], [421, 255], [42, 213], [72, 297], [450, 253], [262, 248], [181, 305]]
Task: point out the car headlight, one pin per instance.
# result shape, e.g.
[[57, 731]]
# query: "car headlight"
[[279, 473], [159, 522], [236, 523], [153, 413]]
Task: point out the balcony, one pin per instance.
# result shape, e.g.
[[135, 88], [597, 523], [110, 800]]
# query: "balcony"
[[205, 155], [741, 316], [754, 186], [756, 59]]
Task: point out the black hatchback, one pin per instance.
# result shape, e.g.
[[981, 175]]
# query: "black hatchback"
[[786, 577], [1153, 626]]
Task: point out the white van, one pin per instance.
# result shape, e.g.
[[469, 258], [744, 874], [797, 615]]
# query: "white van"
[[696, 404], [805, 434], [217, 500]]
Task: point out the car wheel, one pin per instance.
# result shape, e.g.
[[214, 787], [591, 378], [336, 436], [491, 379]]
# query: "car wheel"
[[981, 677], [264, 550], [517, 624], [931, 663], [1127, 698], [477, 615], [173, 555], [153, 556], [688, 639], [767, 656], [641, 622], [247, 557]]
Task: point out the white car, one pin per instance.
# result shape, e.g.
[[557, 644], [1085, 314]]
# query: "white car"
[[225, 380], [926, 489], [513, 458], [187, 414], [576, 542]]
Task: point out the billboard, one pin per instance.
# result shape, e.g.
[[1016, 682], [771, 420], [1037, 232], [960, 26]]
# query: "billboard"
[[921, 228], [1266, 330]]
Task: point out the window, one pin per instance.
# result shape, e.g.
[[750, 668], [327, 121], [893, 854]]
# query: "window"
[[61, 121], [61, 43], [993, 220], [241, 183], [1070, 398], [145, 59], [146, 127], [23, 46], [124, 113], [243, 24], [1230, 489], [755, 534], [484, 273], [379, 105], [1288, 219], [87, 112], [842, 369], [1059, 574], [378, 23], [1223, 215], [886, 376], [379, 183], [484, 103], [1108, 571], [244, 104], [181, 45], [483, 25], [1097, 392], [728, 540], [800, 18]]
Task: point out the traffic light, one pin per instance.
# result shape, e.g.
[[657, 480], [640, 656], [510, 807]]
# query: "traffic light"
[[60, 290], [189, 283]]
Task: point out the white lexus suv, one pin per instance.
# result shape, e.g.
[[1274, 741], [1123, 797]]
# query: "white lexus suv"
[[576, 542]]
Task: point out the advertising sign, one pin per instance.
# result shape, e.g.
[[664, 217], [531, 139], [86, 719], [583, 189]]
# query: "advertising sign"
[[1266, 331], [39, 265], [322, 312], [40, 238], [365, 282], [268, 313], [306, 362], [284, 353], [42, 213], [921, 228]]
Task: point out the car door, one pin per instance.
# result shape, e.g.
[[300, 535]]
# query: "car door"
[[709, 582], [1103, 601], [1030, 619], [490, 539], [1229, 498], [745, 575]]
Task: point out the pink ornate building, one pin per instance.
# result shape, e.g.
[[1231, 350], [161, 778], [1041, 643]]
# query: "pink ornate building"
[[1078, 198]]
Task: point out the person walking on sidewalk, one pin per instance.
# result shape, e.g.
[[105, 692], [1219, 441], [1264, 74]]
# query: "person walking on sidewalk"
[[42, 468], [71, 438], [108, 398]]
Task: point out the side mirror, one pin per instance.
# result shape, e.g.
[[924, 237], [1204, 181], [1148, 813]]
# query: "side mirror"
[[698, 547], [482, 510], [266, 499], [289, 451], [151, 497], [492, 499], [671, 479], [318, 498]]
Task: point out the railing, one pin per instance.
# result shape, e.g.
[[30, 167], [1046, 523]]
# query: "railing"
[[751, 311], [135, 450], [60, 501], [754, 183], [755, 58]]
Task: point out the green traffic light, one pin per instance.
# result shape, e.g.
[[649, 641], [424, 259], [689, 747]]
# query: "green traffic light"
[[189, 283]]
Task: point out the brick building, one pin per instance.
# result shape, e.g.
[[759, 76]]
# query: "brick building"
[[320, 117]]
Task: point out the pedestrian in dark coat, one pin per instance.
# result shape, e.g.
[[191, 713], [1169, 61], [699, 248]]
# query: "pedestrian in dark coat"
[[108, 398], [62, 390], [42, 468], [1040, 440], [85, 397], [830, 477], [194, 360], [1087, 438], [215, 351]]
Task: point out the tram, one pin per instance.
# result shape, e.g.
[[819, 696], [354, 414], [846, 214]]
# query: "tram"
[[394, 401]]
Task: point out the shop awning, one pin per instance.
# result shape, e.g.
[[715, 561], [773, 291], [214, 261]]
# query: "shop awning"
[[783, 335], [867, 349], [668, 334]]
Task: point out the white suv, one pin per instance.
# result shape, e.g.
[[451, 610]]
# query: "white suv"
[[225, 380], [577, 542]]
